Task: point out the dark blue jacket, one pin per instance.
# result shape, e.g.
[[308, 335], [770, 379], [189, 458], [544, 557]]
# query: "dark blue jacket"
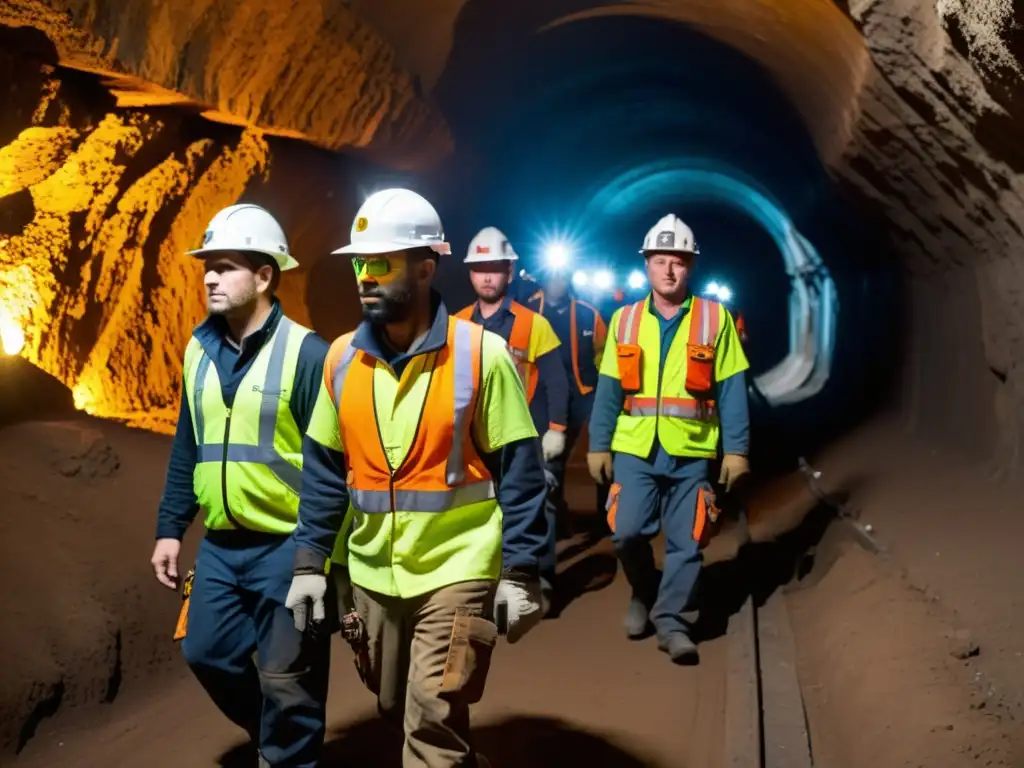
[[730, 397], [516, 469], [179, 506], [591, 331]]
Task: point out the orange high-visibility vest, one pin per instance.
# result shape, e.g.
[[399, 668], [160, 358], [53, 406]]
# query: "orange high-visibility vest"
[[700, 358], [518, 343], [442, 469]]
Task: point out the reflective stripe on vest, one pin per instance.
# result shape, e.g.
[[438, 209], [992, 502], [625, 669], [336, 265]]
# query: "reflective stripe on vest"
[[264, 452], [462, 363], [704, 326]]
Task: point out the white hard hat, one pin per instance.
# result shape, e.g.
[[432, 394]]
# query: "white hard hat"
[[395, 220], [248, 228], [670, 235], [490, 244]]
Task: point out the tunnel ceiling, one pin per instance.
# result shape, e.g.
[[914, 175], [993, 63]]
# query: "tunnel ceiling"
[[913, 105]]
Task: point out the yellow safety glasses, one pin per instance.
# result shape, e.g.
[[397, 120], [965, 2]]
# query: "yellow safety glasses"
[[375, 267]]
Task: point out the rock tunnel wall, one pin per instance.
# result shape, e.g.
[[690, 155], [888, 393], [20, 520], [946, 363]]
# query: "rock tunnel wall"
[[924, 136], [98, 205]]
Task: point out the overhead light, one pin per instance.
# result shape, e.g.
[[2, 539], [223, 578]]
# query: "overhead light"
[[637, 280], [556, 255], [712, 289], [580, 278], [724, 293], [603, 280]]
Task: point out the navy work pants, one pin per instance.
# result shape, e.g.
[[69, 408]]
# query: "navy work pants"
[[555, 508], [659, 493], [237, 608]]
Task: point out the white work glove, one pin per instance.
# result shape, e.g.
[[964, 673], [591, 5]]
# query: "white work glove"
[[523, 598], [553, 443], [307, 588]]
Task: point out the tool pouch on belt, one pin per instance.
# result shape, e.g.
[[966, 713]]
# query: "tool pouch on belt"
[[470, 648], [705, 516], [181, 628], [629, 356], [700, 370]]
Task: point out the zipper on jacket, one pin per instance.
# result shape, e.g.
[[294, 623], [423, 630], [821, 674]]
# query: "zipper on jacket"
[[224, 474]]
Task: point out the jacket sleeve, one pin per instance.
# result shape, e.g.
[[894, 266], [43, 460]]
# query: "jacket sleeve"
[[734, 414], [507, 442], [608, 400], [518, 472], [323, 505], [324, 499], [556, 387], [179, 506], [730, 372], [309, 373]]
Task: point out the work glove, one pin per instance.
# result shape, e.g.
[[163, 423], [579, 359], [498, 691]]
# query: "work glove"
[[734, 467], [600, 466], [523, 598], [307, 589], [553, 444]]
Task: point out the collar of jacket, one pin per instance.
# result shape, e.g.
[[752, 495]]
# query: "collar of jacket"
[[367, 337], [214, 329], [683, 308]]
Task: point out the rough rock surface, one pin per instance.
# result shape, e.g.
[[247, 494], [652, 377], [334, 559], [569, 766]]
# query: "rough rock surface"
[[98, 205], [937, 147], [313, 70]]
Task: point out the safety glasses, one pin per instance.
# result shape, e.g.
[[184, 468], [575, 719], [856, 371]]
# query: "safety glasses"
[[377, 266]]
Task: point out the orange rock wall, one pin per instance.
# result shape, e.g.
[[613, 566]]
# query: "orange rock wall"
[[99, 204]]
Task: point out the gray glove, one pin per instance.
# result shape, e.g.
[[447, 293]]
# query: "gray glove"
[[306, 589]]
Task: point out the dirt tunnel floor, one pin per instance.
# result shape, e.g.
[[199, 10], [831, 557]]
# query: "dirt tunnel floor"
[[879, 646], [575, 689]]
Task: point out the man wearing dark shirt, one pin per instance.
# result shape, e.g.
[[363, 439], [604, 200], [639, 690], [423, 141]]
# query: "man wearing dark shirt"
[[250, 379]]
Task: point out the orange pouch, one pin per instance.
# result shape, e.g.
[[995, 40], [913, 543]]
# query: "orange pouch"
[[700, 370], [629, 366], [612, 506], [705, 516]]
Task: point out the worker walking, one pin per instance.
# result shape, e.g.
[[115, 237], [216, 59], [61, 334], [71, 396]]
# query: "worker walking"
[[672, 381], [582, 333], [533, 344], [250, 379], [422, 426]]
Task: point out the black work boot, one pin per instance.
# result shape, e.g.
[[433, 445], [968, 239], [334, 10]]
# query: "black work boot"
[[680, 648], [637, 621]]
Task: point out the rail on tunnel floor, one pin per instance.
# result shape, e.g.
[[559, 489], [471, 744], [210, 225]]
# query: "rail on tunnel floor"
[[766, 718]]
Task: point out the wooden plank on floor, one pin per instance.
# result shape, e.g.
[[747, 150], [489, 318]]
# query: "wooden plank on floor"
[[786, 742], [742, 708]]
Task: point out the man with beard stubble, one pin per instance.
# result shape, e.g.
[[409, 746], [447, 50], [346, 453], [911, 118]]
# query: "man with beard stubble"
[[250, 380], [422, 433]]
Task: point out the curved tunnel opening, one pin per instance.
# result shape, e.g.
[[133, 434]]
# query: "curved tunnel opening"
[[588, 132]]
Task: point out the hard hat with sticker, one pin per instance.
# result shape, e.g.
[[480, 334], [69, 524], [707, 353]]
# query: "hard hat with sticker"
[[361, 224]]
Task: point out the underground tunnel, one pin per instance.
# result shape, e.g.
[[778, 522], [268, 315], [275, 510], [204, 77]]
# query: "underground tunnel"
[[852, 173]]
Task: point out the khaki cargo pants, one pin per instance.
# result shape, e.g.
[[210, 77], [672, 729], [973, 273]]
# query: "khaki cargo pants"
[[426, 658]]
